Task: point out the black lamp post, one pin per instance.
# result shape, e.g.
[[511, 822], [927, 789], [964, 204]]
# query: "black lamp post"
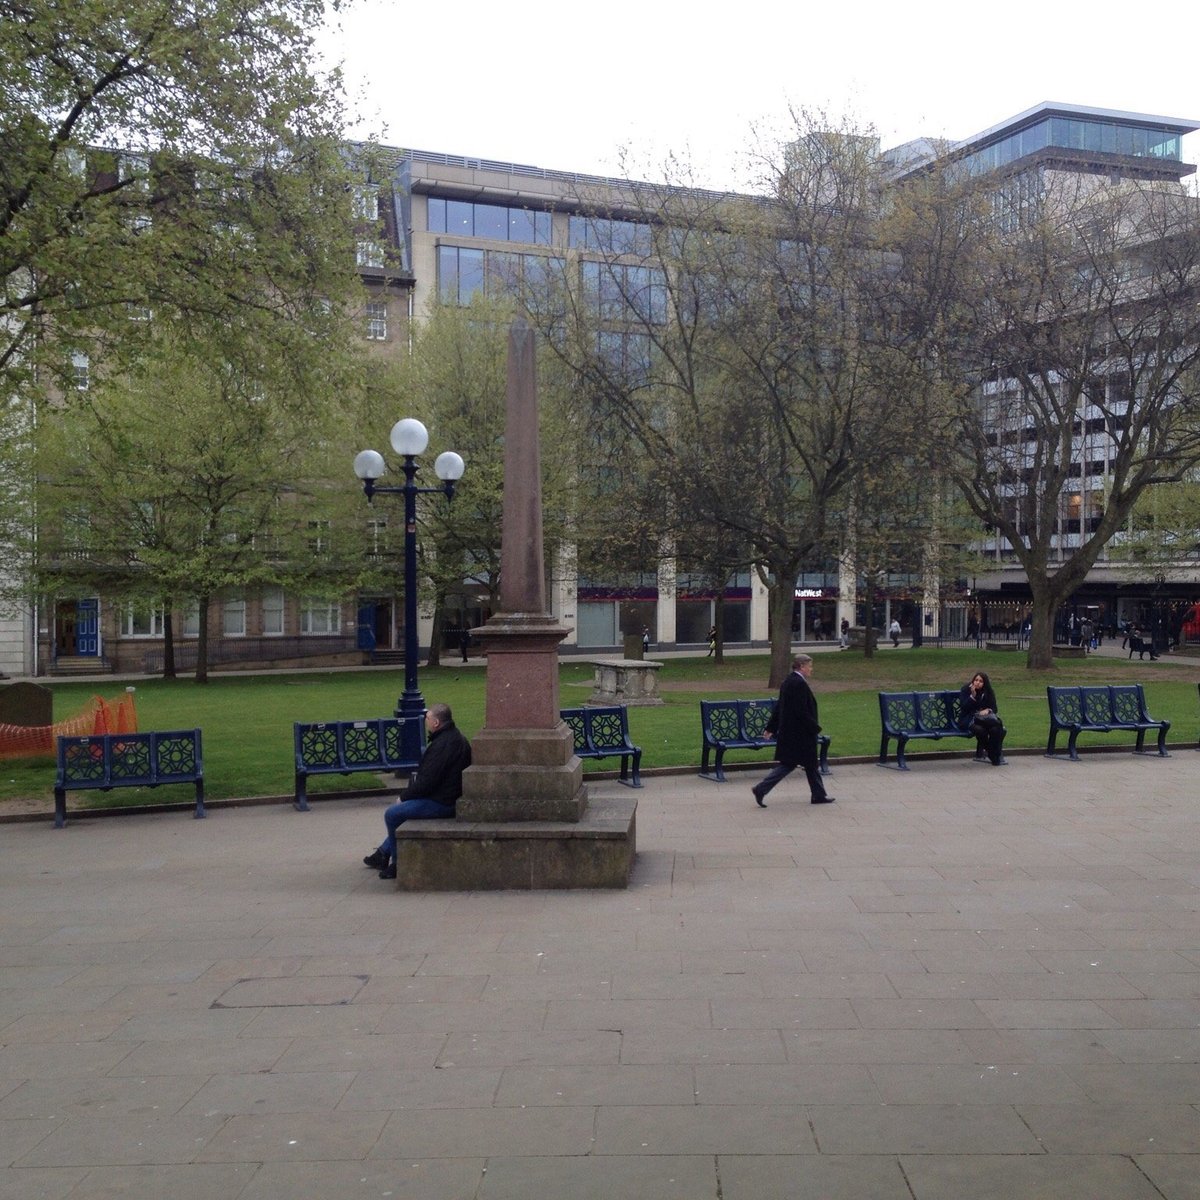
[[409, 438]]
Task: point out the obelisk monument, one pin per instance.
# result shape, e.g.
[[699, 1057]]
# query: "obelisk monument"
[[523, 761]]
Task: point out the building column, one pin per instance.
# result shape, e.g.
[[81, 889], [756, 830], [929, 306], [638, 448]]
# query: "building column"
[[760, 609], [665, 610], [564, 591]]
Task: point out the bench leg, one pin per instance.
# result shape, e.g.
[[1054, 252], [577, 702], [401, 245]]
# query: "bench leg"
[[1162, 742], [1071, 745], [200, 813], [60, 808], [718, 769], [901, 742], [636, 768], [300, 804], [824, 757], [883, 749]]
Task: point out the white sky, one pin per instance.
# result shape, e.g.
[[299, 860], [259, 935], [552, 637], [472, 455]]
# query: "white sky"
[[567, 86]]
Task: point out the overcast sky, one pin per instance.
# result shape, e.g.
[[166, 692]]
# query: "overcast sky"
[[564, 86]]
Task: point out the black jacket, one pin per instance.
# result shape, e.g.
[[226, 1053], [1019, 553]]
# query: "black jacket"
[[439, 777], [794, 722], [969, 705]]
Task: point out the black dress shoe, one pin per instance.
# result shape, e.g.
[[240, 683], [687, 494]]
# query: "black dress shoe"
[[388, 872], [823, 800], [376, 860], [757, 798]]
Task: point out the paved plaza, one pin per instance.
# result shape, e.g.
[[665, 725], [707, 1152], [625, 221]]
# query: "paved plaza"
[[957, 982]]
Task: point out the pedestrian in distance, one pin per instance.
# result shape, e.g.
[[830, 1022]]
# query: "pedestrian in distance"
[[464, 642], [712, 642], [432, 791], [894, 633], [794, 726]]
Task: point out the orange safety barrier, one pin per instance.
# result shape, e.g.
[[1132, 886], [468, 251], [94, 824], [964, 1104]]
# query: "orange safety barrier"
[[99, 716]]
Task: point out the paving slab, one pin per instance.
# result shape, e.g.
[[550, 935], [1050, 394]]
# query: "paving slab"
[[921, 991]]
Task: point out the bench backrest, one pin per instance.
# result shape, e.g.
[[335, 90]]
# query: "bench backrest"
[[1066, 705], [357, 745], [898, 710], [735, 720], [605, 727], [919, 712], [937, 710], [1128, 703], [149, 758], [1098, 704]]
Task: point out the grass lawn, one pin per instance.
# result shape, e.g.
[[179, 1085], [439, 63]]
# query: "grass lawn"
[[247, 720]]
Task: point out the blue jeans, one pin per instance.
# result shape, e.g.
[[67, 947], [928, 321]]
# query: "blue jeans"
[[409, 810]]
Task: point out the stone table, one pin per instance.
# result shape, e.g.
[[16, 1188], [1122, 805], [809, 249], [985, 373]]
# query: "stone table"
[[626, 681]]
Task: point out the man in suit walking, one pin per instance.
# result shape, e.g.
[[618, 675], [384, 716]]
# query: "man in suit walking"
[[794, 727]]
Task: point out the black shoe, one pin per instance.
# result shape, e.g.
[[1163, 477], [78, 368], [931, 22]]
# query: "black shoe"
[[757, 798], [376, 860], [388, 872], [823, 800]]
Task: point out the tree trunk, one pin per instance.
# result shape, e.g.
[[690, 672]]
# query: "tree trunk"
[[435, 636], [869, 593], [168, 642], [781, 600], [719, 622], [202, 642], [1041, 636]]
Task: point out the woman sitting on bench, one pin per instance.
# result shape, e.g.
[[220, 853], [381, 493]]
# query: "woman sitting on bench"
[[977, 713]]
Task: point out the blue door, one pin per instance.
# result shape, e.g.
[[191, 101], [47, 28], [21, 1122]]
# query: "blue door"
[[87, 627], [366, 626]]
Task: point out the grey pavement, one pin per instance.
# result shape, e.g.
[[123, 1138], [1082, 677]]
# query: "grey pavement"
[[956, 982]]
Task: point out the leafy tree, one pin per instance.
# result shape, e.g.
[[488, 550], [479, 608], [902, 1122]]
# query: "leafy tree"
[[189, 475], [455, 381], [170, 155], [730, 339], [1073, 332]]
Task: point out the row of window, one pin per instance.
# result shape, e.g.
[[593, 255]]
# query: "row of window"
[[318, 615], [505, 223], [499, 222], [1106, 137]]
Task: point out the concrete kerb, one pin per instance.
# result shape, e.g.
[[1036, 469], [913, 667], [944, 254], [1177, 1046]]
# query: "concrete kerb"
[[741, 768]]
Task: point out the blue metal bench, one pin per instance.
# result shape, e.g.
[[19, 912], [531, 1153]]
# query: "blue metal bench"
[[603, 732], [740, 725], [115, 760], [1101, 709], [344, 747], [908, 715]]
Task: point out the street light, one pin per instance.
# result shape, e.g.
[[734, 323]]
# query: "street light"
[[409, 438]]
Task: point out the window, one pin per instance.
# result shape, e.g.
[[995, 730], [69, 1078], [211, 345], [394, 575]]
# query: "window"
[[498, 222], [191, 620], [463, 270], [272, 612], [143, 620], [319, 616], [233, 616], [318, 537], [369, 254], [81, 371], [377, 537], [366, 204], [377, 316]]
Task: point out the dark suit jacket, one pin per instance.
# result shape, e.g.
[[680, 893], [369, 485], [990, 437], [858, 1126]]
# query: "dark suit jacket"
[[794, 722]]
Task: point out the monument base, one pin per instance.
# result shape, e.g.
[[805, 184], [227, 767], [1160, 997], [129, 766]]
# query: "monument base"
[[625, 681], [596, 851]]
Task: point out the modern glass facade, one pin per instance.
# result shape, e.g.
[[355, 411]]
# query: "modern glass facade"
[[1075, 133], [498, 222]]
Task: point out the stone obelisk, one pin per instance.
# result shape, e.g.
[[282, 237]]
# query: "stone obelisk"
[[523, 761]]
